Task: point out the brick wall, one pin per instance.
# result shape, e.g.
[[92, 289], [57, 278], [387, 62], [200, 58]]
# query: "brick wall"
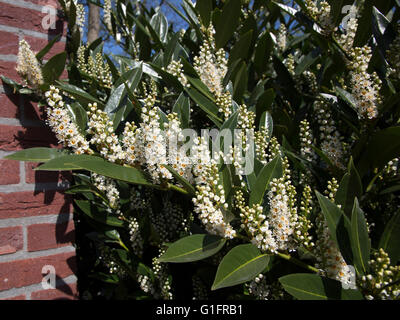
[[36, 226]]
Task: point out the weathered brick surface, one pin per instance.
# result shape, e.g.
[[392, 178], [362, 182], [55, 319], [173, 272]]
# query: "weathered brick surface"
[[9, 172], [22, 127], [7, 43], [13, 138], [28, 19], [50, 235], [20, 273], [11, 239], [64, 292], [9, 105], [30, 203]]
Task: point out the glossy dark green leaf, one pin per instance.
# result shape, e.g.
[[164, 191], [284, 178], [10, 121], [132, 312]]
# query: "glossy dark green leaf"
[[193, 248], [115, 99], [242, 47], [350, 187], [204, 103], [204, 7], [48, 47], [227, 22], [306, 286], [182, 108], [390, 239], [160, 26], [94, 213], [82, 96], [241, 264], [360, 242], [79, 115], [271, 170], [53, 69], [186, 184], [36, 154]]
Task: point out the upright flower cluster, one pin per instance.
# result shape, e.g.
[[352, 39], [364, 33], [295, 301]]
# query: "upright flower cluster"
[[60, 121], [306, 141], [211, 65], [282, 36], [330, 138], [283, 217], [28, 66], [255, 222], [135, 236], [365, 87], [209, 202], [103, 136], [347, 39], [151, 149], [107, 14]]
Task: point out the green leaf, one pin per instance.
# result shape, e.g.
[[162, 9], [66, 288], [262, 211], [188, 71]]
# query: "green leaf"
[[201, 87], [307, 61], [53, 69], [115, 99], [267, 123], [160, 26], [243, 263], [264, 103], [182, 108], [306, 286], [339, 226], [98, 215], [79, 116], [204, 7], [347, 97], [271, 170], [360, 242], [82, 96], [48, 47], [241, 48], [390, 239], [36, 154], [204, 103], [350, 187], [193, 248], [240, 82], [227, 22]]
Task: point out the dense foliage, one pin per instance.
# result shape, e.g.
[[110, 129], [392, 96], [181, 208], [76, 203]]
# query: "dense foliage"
[[310, 210]]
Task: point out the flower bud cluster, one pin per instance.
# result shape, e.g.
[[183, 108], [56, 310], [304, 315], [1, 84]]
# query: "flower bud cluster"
[[160, 271], [382, 282], [135, 236], [176, 69], [261, 141], [282, 37], [94, 67], [60, 121], [303, 226], [321, 13], [28, 66]]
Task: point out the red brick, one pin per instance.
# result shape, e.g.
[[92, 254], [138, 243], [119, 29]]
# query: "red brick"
[[9, 172], [14, 138], [38, 44], [9, 106], [27, 19], [50, 235], [20, 297], [64, 292], [20, 273], [30, 203], [44, 176], [7, 69], [53, 3], [11, 237], [8, 43]]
